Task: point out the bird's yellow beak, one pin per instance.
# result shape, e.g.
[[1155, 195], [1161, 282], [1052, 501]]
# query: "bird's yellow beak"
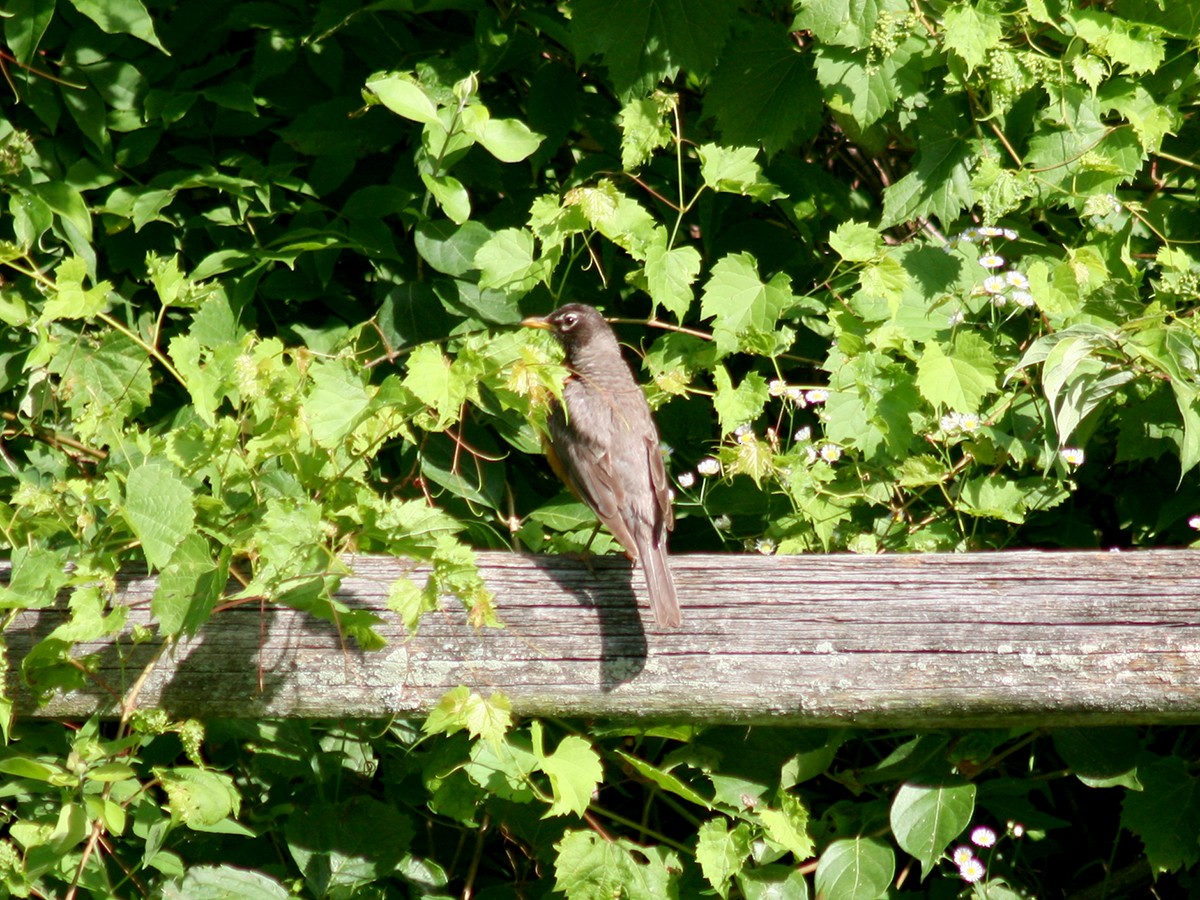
[[536, 322]]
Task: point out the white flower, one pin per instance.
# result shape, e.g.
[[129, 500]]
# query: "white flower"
[[982, 836], [765, 546], [1022, 298], [722, 522], [956, 318], [818, 395], [1016, 279], [1194, 523], [962, 855], [776, 387], [968, 422], [1017, 829], [970, 235], [1009, 234], [687, 479], [991, 260], [795, 394], [971, 871], [991, 231], [830, 452], [708, 466], [1072, 456], [995, 284], [805, 434]]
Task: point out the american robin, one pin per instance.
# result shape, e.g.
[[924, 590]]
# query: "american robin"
[[604, 445]]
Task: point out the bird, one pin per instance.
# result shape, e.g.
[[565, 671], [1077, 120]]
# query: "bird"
[[604, 445]]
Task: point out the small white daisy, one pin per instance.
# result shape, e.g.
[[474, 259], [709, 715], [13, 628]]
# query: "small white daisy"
[[722, 522], [1016, 279], [1194, 523], [982, 836], [830, 452], [803, 434], [995, 284], [687, 479], [1072, 456], [1023, 298], [708, 466], [991, 231], [962, 855], [956, 318], [991, 261], [971, 871], [1009, 234], [776, 387], [817, 395]]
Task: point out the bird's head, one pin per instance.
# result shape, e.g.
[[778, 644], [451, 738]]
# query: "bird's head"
[[574, 325]]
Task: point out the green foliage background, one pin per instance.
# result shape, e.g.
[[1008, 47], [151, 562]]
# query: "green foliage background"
[[917, 276]]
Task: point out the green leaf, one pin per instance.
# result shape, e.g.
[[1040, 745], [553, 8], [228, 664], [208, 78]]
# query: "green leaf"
[[856, 242], [645, 127], [622, 220], [343, 847], [958, 376], [574, 770], [783, 108], [158, 507], [740, 405], [846, 22], [670, 275], [198, 798], [462, 708], [1101, 757], [70, 299], [450, 195], [644, 41], [865, 89], [223, 883], [38, 573], [939, 184], [734, 170], [721, 852], [589, 867], [665, 780], [509, 140], [338, 401], [773, 882], [971, 32], [1165, 814], [26, 23], [745, 308], [855, 869], [507, 262], [925, 819], [434, 380], [403, 95], [788, 826], [189, 586], [449, 249], [121, 17]]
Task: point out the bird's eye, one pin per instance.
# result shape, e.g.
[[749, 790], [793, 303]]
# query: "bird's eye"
[[569, 320]]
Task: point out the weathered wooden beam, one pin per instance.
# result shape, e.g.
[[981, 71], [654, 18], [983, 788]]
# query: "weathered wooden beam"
[[975, 639]]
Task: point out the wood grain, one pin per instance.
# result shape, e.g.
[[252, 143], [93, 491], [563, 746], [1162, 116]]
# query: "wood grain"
[[977, 639]]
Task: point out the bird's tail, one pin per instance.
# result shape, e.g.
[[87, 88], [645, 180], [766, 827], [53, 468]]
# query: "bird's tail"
[[661, 585]]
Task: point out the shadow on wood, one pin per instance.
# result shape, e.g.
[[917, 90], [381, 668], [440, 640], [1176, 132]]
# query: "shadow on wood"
[[907, 640]]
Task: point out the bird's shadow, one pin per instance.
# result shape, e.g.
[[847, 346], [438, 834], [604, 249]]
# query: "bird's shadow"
[[605, 584]]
